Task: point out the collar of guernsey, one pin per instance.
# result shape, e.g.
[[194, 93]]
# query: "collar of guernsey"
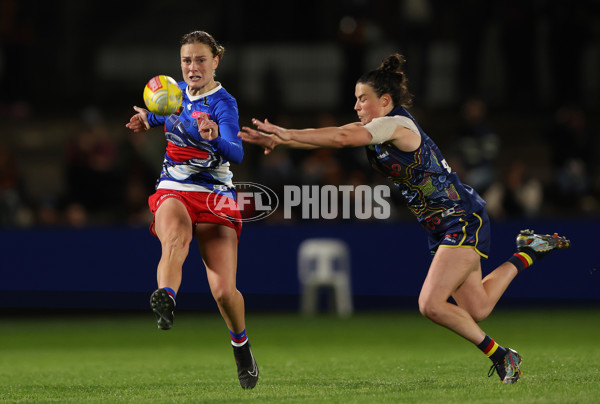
[[206, 94]]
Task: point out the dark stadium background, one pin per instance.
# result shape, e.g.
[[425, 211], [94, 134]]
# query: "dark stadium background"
[[73, 226]]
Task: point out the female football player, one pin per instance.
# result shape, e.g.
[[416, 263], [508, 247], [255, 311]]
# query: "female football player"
[[201, 141], [452, 213]]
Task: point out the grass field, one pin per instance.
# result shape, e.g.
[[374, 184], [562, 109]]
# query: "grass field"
[[369, 358]]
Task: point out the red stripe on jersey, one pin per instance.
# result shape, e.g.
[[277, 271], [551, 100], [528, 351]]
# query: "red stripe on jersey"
[[180, 154]]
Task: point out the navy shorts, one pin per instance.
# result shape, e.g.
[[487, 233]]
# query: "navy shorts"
[[472, 231]]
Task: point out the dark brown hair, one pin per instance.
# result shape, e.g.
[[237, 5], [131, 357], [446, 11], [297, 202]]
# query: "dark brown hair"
[[389, 78], [204, 38]]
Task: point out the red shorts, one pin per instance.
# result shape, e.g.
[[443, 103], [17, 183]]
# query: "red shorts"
[[203, 207]]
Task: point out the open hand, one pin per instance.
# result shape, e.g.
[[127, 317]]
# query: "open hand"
[[268, 127], [264, 140], [139, 122]]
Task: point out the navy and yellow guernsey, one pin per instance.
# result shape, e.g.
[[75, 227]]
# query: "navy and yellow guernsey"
[[433, 193]]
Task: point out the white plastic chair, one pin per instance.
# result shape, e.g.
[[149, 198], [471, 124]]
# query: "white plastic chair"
[[325, 262]]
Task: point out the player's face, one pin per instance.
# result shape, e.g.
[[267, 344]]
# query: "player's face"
[[368, 105], [198, 67]]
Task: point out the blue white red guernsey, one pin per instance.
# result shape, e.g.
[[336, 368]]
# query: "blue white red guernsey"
[[433, 193], [192, 163]]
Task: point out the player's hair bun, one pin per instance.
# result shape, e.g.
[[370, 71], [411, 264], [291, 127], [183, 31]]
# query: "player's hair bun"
[[393, 64], [389, 78]]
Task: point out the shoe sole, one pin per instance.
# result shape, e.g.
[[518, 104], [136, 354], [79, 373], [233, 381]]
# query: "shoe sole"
[[162, 305], [555, 242]]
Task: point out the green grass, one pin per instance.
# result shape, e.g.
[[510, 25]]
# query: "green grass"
[[369, 358]]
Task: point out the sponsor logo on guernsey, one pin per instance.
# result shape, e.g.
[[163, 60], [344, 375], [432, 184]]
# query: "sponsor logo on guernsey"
[[200, 114]]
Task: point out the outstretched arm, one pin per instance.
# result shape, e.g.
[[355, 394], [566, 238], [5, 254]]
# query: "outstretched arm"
[[350, 135], [269, 141]]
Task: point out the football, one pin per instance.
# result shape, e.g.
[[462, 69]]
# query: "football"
[[162, 95]]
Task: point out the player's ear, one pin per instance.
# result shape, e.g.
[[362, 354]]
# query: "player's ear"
[[386, 99]]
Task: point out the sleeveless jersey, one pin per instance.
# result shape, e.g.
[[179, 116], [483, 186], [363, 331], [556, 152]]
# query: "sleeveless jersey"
[[192, 163], [433, 193]]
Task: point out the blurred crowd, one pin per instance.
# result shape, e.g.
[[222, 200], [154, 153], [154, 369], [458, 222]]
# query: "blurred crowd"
[[107, 173], [508, 89], [105, 177], [549, 173]]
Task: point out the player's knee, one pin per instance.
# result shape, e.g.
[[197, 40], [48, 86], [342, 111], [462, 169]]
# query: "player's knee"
[[430, 309], [430, 312], [175, 241], [223, 295]]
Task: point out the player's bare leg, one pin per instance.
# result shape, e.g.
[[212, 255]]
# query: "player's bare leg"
[[456, 269], [479, 297], [450, 268], [218, 247], [173, 227]]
